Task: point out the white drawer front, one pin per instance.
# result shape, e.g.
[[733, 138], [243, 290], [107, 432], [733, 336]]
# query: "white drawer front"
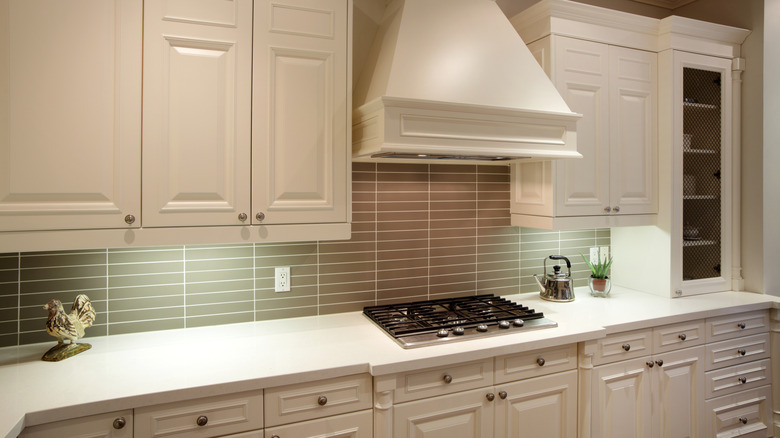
[[746, 413], [737, 351], [223, 415], [675, 336], [354, 425], [535, 363], [622, 346], [733, 326], [309, 400], [738, 378], [94, 426], [443, 380]]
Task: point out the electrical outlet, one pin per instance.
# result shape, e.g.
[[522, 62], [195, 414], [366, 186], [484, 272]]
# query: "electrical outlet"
[[604, 253], [594, 255], [282, 282]]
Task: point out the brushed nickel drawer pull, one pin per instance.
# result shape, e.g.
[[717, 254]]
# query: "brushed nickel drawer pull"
[[741, 352], [743, 420], [322, 400], [490, 396], [447, 378], [503, 395], [682, 336], [742, 380], [741, 325], [540, 361], [626, 346], [650, 363], [202, 420], [660, 362]]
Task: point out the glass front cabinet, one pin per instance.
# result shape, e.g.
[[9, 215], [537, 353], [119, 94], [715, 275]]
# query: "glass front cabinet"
[[702, 169]]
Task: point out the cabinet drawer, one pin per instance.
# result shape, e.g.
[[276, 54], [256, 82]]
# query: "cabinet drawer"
[[100, 425], [733, 326], [737, 351], [738, 378], [535, 363], [675, 336], [746, 413], [223, 415], [622, 346], [430, 382], [309, 400], [353, 425]]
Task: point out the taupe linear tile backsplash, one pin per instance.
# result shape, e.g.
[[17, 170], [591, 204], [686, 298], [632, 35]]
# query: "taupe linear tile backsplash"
[[419, 232]]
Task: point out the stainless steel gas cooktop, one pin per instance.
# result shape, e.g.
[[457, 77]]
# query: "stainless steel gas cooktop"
[[421, 323]]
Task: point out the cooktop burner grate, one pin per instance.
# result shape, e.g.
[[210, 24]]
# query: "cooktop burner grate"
[[424, 322]]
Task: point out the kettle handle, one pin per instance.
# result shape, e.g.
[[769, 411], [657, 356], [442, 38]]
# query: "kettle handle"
[[558, 257]]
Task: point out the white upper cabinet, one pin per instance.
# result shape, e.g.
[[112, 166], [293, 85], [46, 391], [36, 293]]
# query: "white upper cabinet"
[[239, 134], [197, 112], [300, 112], [615, 183], [70, 114]]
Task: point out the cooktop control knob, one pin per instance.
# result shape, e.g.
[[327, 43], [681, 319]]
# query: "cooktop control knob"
[[518, 322], [482, 328], [443, 333], [504, 324], [458, 331]]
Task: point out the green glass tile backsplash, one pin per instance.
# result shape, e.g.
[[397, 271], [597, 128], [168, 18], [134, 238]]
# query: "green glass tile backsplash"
[[418, 231]]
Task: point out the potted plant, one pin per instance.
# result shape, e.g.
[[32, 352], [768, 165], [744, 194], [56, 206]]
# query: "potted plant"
[[599, 281]]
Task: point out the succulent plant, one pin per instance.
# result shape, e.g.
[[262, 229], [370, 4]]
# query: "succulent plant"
[[600, 268]]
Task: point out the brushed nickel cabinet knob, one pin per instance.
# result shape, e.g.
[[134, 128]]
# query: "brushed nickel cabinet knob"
[[540, 361], [447, 378], [616, 209], [202, 420], [650, 363], [490, 396], [119, 422], [242, 217], [129, 219], [742, 380], [626, 346], [607, 209], [682, 337], [741, 325], [322, 400], [503, 395], [260, 216]]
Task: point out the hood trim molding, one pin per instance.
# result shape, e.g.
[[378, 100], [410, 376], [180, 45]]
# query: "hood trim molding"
[[390, 125]]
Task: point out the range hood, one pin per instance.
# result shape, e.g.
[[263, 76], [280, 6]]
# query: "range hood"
[[452, 79]]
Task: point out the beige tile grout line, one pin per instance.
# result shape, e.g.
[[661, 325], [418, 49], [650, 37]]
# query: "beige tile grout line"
[[18, 298]]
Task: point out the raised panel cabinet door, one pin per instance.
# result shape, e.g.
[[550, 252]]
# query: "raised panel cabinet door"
[[539, 407], [681, 388], [634, 134], [467, 414], [300, 109], [109, 425], [354, 425], [70, 114], [197, 112], [581, 74], [622, 399]]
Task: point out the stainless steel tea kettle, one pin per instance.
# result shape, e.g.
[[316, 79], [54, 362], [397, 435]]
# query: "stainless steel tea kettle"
[[556, 286]]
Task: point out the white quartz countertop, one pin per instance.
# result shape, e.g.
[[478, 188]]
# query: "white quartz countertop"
[[128, 371]]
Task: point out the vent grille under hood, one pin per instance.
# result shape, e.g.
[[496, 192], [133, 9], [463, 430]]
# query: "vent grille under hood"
[[452, 78]]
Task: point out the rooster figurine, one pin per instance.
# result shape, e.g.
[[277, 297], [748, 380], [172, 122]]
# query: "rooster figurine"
[[70, 326]]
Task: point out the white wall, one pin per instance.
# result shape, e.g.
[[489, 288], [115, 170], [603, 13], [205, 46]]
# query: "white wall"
[[771, 161]]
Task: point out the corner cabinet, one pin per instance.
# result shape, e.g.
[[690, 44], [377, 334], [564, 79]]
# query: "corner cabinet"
[[70, 114], [695, 246], [240, 133], [615, 181]]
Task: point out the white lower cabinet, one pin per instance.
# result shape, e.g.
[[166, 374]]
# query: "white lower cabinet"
[[653, 396], [109, 425], [526, 394], [739, 376], [659, 393]]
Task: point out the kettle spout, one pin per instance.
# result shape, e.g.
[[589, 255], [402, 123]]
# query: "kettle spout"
[[539, 282]]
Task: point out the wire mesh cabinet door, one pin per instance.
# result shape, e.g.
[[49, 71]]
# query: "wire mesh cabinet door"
[[701, 226]]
